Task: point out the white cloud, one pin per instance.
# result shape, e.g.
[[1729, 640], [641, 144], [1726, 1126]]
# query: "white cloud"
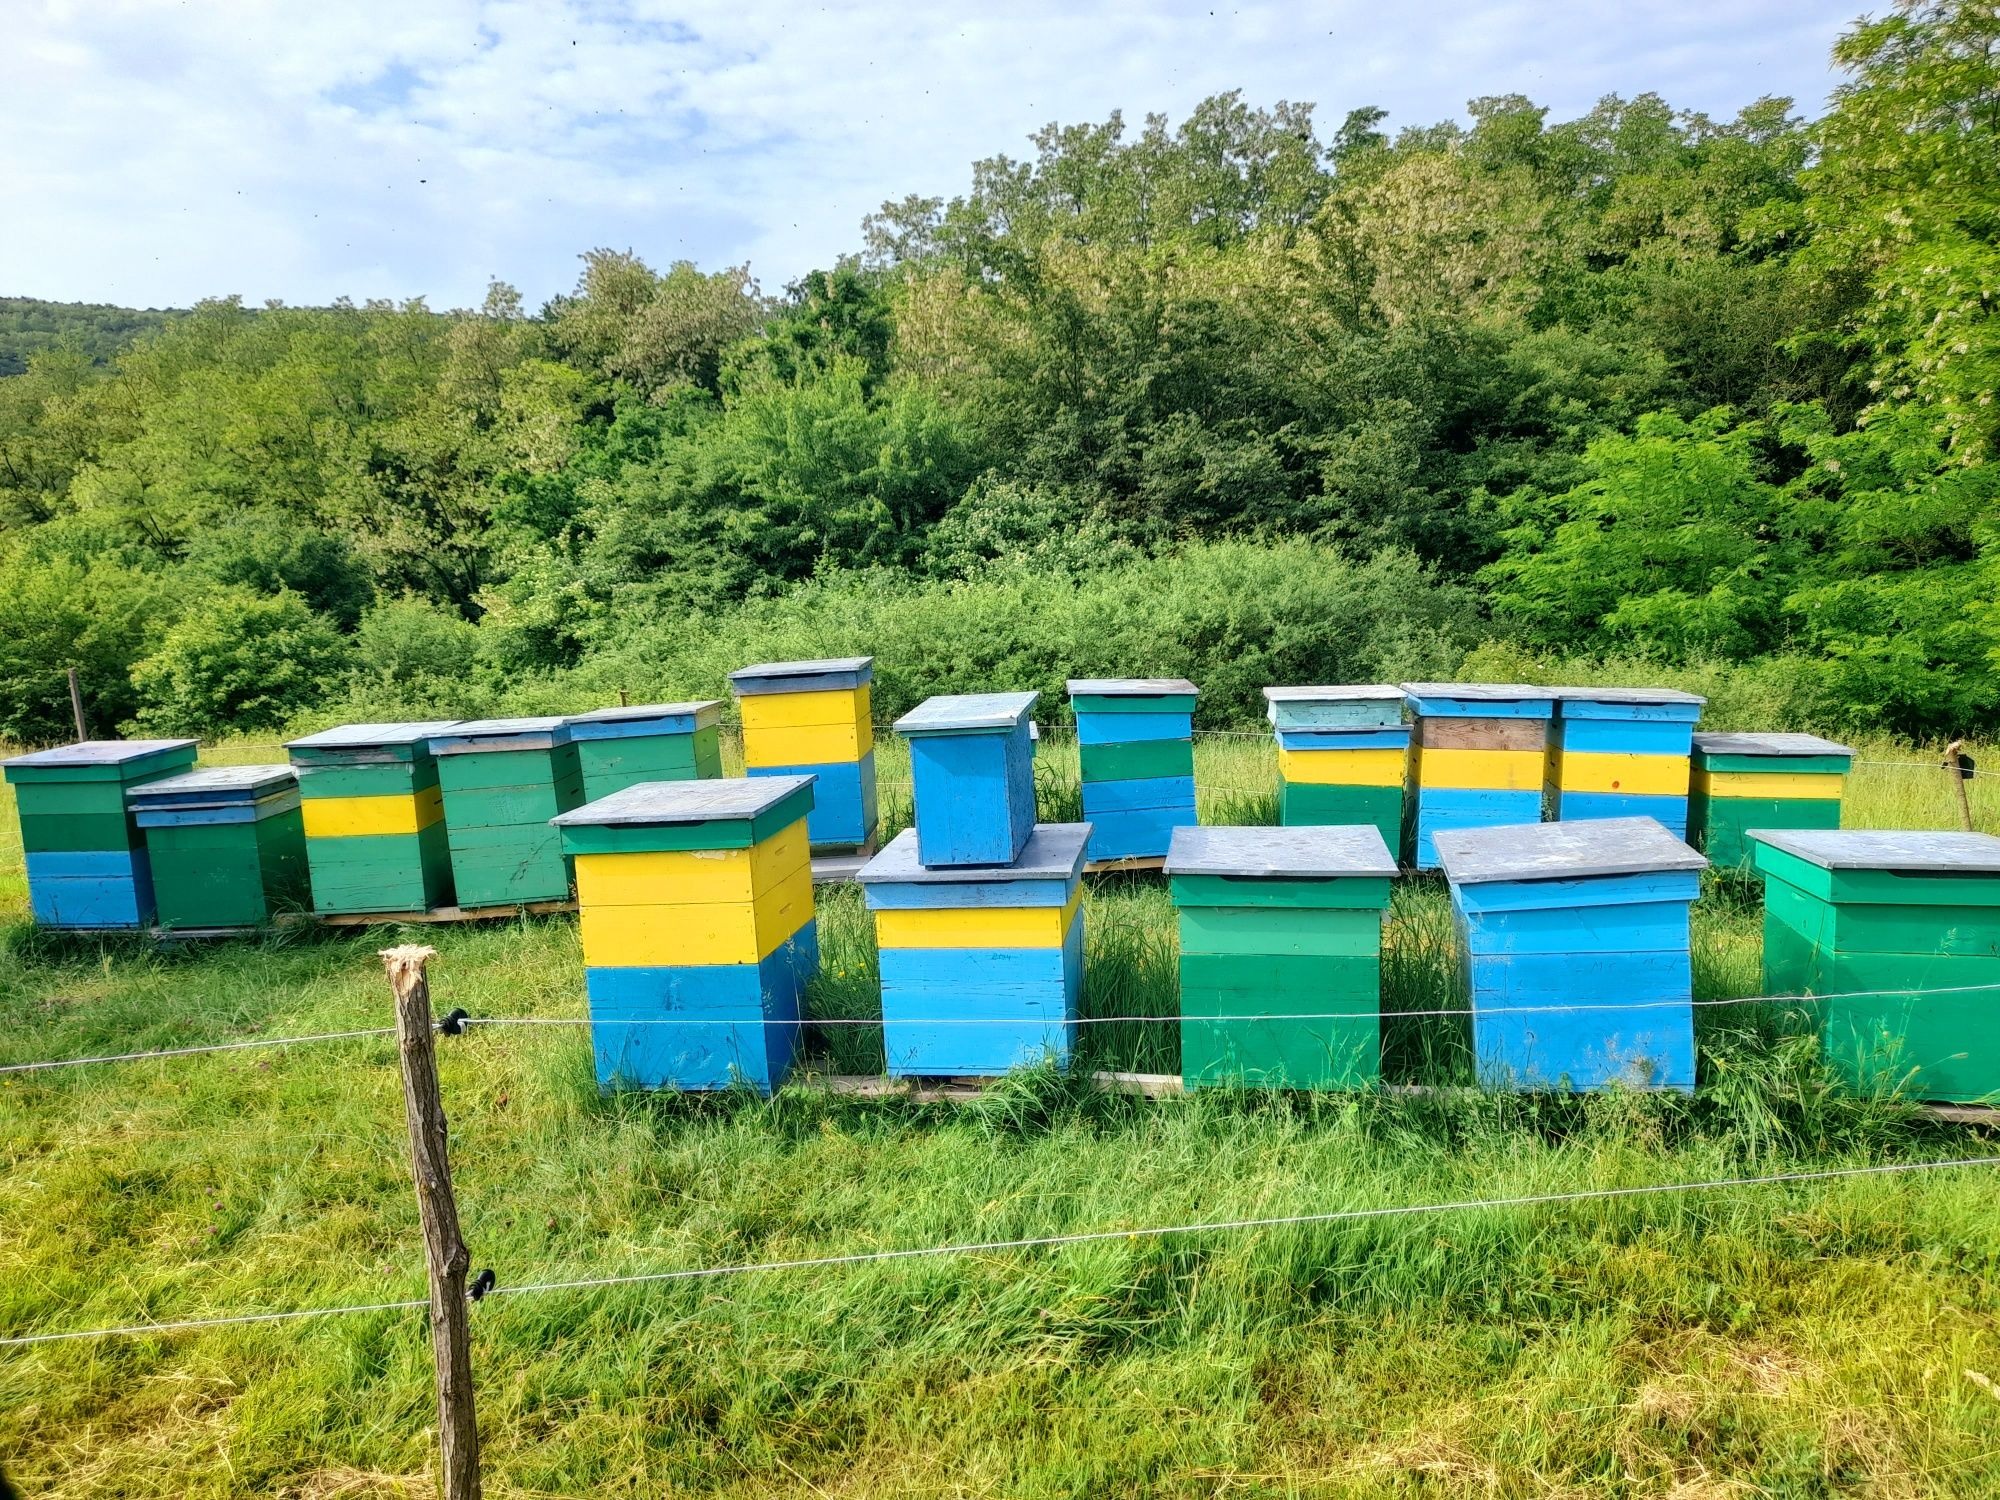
[[154, 153]]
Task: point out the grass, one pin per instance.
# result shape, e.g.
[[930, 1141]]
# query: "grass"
[[1814, 1340]]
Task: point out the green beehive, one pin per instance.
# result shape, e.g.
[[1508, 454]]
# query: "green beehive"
[[1901, 933], [623, 746], [227, 845], [503, 779], [1281, 944], [374, 818], [86, 858]]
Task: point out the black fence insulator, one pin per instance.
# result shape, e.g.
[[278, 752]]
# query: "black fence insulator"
[[483, 1283], [454, 1023]]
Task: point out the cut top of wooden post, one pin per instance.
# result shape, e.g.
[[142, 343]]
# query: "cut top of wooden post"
[[647, 718], [1562, 851], [968, 713], [100, 760], [1297, 853], [482, 736], [828, 673], [1480, 700]]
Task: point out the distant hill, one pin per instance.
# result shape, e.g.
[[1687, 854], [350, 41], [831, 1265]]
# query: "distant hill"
[[29, 325]]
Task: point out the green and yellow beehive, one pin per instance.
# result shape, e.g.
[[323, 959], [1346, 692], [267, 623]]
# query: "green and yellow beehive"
[[227, 845], [86, 858], [623, 746], [1745, 781], [502, 780], [374, 818], [1281, 954]]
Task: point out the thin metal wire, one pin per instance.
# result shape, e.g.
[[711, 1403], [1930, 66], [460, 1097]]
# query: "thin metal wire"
[[274, 1041]]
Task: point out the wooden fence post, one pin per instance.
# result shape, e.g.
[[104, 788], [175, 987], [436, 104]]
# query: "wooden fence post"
[[76, 706], [445, 1254], [1955, 769]]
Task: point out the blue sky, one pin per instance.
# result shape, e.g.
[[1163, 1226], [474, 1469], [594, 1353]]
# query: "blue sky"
[[152, 153]]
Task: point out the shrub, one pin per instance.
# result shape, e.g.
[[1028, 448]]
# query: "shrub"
[[240, 662]]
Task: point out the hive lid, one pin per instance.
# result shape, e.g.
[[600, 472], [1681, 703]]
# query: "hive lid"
[[1721, 743], [495, 734], [1561, 851], [821, 668], [1054, 851], [660, 802], [372, 736], [98, 753], [693, 708], [1626, 695], [1302, 853], [217, 783], [1914, 852], [1365, 692], [967, 713], [1481, 692], [1130, 687]]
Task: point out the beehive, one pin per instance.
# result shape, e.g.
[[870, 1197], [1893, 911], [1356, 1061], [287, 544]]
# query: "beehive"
[[503, 780], [1479, 759], [1343, 756], [1745, 781], [1871, 919], [621, 747], [972, 773], [1279, 924], [374, 818], [1622, 753], [812, 718], [227, 845], [981, 969], [1135, 739], [697, 926], [86, 858], [1576, 941]]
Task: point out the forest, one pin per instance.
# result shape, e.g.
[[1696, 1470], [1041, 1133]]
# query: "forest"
[[1251, 396]]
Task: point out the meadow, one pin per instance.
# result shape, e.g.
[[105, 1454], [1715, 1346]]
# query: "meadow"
[[1816, 1339]]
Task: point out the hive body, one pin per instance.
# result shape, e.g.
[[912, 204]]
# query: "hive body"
[[227, 845], [1135, 740], [86, 857], [621, 747], [503, 780], [1280, 966], [1854, 912], [1746, 781], [1622, 753], [813, 718], [374, 817], [1575, 937], [1343, 756], [697, 925], [972, 773], [1479, 759], [982, 969]]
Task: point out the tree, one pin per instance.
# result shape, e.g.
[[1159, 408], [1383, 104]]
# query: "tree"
[[237, 663]]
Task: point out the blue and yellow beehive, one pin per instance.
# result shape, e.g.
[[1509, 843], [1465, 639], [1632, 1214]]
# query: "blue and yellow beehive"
[[227, 845], [374, 818], [86, 858], [623, 746], [1281, 955], [1746, 781], [813, 718], [503, 780], [1622, 753], [972, 775], [1576, 942], [697, 925], [1479, 759], [982, 969], [1343, 756], [1135, 741], [1900, 932]]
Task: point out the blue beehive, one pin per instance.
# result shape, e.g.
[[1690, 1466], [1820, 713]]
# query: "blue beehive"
[[815, 718], [1622, 753], [1478, 759], [981, 968], [1589, 915], [972, 773], [1135, 746]]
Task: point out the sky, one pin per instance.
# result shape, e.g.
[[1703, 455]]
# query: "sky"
[[153, 153]]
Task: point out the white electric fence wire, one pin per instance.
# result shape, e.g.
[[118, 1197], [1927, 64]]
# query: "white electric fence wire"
[[271, 1041], [1037, 1242]]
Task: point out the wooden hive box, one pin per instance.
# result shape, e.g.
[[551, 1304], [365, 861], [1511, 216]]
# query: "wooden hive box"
[[227, 845], [981, 969], [1479, 759], [374, 817], [86, 858], [1589, 915], [1135, 740], [1343, 756], [1278, 924], [1871, 919], [972, 773], [814, 718], [623, 746], [698, 932], [1622, 753], [503, 780], [1745, 781]]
